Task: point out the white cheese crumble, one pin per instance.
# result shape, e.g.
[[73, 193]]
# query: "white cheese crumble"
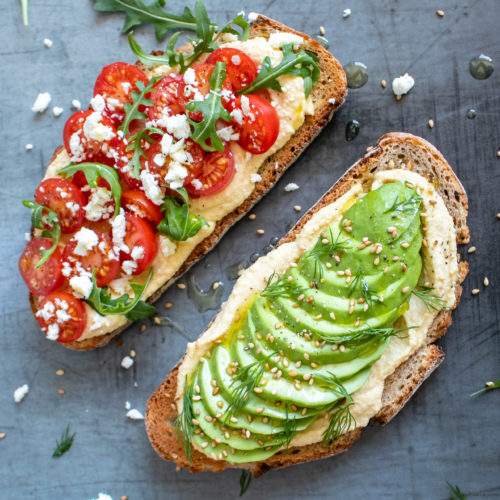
[[178, 126], [47, 42], [197, 183], [41, 102], [228, 134], [134, 414], [96, 208], [252, 17], [332, 100], [97, 103], [236, 60], [82, 284], [278, 39], [74, 207], [346, 13], [237, 115], [57, 111], [27, 236], [291, 187], [128, 405], [86, 240], [127, 362], [21, 392], [403, 84], [137, 253], [175, 175], [103, 496], [118, 230], [76, 148], [29, 147], [94, 129], [151, 187], [167, 246], [129, 266], [190, 76], [255, 178], [76, 104], [47, 311], [53, 332]]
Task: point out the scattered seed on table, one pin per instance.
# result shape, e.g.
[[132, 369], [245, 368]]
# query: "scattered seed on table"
[[252, 216], [440, 12], [59, 372], [475, 291], [168, 305], [260, 231], [486, 281], [431, 123], [181, 286], [383, 83], [471, 250]]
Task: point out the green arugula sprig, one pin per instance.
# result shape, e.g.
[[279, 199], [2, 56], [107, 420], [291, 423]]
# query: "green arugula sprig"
[[302, 63], [92, 172], [457, 493], [245, 480], [355, 336], [184, 422], [204, 132], [41, 217], [139, 99], [489, 386], [135, 145], [133, 308], [65, 444], [280, 287], [431, 300], [178, 222]]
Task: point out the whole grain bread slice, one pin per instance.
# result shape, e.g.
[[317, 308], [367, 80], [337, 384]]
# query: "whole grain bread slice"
[[393, 150], [328, 95]]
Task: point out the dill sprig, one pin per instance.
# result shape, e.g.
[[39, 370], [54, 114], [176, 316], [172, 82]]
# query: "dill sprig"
[[407, 205], [245, 479], [457, 494], [281, 287], [356, 281], [354, 336], [322, 250], [184, 421], [64, 444], [368, 294], [431, 300], [290, 426], [489, 386]]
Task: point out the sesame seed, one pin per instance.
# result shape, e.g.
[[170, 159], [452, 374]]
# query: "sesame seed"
[[383, 83], [332, 315], [335, 347], [132, 353], [306, 356], [365, 307], [342, 348], [168, 305], [204, 445], [307, 376], [405, 244], [297, 208], [278, 325], [425, 243], [195, 422], [292, 374], [475, 291], [337, 258], [471, 250], [328, 265], [386, 269], [398, 97], [431, 123], [324, 241], [376, 261], [181, 286], [298, 364], [406, 289], [260, 231], [2, 435], [391, 229], [440, 12], [300, 297], [260, 410], [234, 420], [395, 258], [59, 372], [322, 30], [486, 281], [61, 391], [258, 390], [289, 279], [252, 216], [143, 328]]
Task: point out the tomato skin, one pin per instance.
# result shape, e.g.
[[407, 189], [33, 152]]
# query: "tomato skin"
[[73, 326], [139, 234], [167, 95], [48, 277], [91, 149], [100, 257], [260, 126], [117, 81], [56, 193], [241, 70], [135, 200], [218, 170]]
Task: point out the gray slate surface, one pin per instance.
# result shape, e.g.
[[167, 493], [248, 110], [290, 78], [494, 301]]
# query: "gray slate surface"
[[441, 435]]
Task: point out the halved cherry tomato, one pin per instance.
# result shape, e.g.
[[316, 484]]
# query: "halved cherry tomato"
[[48, 276], [241, 70], [137, 202], [116, 83], [82, 148], [62, 316], [260, 124], [100, 257], [167, 97], [65, 199], [142, 244], [218, 170]]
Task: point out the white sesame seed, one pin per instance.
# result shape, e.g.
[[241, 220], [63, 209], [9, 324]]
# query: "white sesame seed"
[[475, 291], [486, 281], [471, 250]]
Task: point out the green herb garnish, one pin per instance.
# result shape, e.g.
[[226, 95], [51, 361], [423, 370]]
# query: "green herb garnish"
[[24, 9], [205, 132], [133, 308], [92, 172], [489, 386], [245, 479], [178, 222], [302, 63], [184, 421], [430, 300], [42, 216], [281, 287], [290, 429], [65, 444], [355, 336], [456, 493], [408, 205], [135, 145]]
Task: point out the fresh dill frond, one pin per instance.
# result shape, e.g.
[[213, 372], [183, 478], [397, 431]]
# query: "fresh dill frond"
[[184, 421], [281, 287], [355, 336], [407, 205], [368, 294], [489, 386], [245, 479], [65, 444], [290, 426], [457, 494], [356, 281], [431, 300]]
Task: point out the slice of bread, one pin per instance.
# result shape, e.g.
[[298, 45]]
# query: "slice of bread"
[[390, 152], [328, 95]]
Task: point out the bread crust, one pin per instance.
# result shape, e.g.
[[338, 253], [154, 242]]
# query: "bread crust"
[[425, 159], [328, 95]]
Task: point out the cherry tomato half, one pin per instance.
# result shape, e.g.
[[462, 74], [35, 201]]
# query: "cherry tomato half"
[[241, 70], [62, 317], [134, 200], [48, 276], [65, 199], [167, 97]]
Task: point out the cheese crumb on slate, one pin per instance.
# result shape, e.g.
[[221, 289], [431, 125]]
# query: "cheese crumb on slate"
[[252, 17], [128, 405], [134, 414], [57, 111], [21, 392], [76, 104], [47, 42], [29, 147], [127, 362], [291, 187], [346, 13], [41, 102], [403, 84]]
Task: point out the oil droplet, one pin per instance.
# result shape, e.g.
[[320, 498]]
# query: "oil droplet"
[[274, 240], [289, 226], [356, 73], [167, 321], [267, 248], [481, 67], [233, 272], [204, 299], [254, 257], [351, 130], [322, 41], [471, 113]]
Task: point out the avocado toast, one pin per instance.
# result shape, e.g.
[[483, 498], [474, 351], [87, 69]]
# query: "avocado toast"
[[332, 328]]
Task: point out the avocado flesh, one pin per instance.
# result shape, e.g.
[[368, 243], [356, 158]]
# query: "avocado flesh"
[[303, 334]]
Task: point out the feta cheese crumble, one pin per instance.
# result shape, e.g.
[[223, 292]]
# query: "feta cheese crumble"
[[29, 147], [118, 230], [255, 178], [76, 104], [86, 240], [252, 17], [97, 208], [346, 13], [94, 129], [291, 187], [134, 414], [278, 39], [57, 111], [21, 392], [41, 102], [47, 42], [403, 84], [82, 284], [127, 362], [151, 187]]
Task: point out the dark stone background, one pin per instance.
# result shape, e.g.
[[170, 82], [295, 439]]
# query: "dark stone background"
[[441, 435]]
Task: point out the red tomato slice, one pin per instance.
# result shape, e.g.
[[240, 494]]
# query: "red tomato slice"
[[48, 276], [241, 70], [142, 244], [62, 317], [166, 96], [116, 83], [82, 148], [65, 199], [100, 257], [218, 170], [260, 124], [137, 202]]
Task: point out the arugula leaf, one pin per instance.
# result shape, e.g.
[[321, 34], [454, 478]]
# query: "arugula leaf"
[[457, 493], [239, 20], [489, 386], [24, 8], [134, 308], [178, 222], [245, 480], [92, 173], [138, 99], [65, 444], [212, 109], [135, 144], [302, 63], [40, 217]]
